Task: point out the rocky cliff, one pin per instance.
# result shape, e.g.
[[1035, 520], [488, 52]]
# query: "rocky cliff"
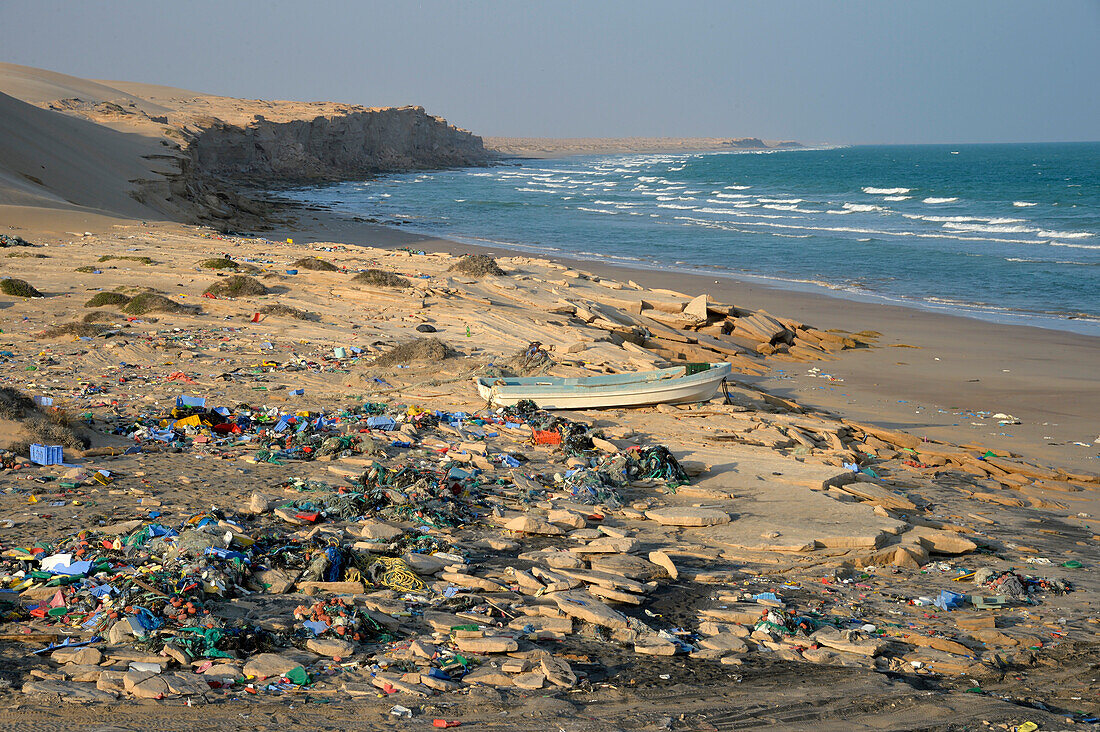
[[143, 151], [349, 145]]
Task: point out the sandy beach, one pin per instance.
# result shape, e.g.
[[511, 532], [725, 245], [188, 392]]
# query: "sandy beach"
[[929, 373], [284, 502]]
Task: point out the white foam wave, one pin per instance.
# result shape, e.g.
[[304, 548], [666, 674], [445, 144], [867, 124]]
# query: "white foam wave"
[[933, 199], [1072, 246], [676, 206], [737, 188], [988, 229], [915, 234], [1023, 204], [780, 200], [941, 219], [885, 191], [597, 210], [741, 214], [732, 195], [1065, 234], [896, 198], [862, 207]]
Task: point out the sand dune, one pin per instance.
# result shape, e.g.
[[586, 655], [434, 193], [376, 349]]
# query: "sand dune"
[[142, 150], [56, 161], [39, 86]]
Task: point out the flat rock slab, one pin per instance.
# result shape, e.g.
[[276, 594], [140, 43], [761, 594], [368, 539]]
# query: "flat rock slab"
[[586, 607], [489, 676], [724, 642], [782, 513], [80, 656], [533, 525], [487, 644], [331, 647], [266, 665], [688, 516], [69, 691], [629, 566]]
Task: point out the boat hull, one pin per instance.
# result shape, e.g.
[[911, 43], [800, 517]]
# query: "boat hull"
[[695, 388]]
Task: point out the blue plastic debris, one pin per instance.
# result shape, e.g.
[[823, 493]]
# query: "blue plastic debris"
[[949, 600], [381, 422], [46, 454], [317, 626], [189, 401]]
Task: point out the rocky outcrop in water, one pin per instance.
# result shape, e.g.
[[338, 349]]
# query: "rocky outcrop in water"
[[747, 143]]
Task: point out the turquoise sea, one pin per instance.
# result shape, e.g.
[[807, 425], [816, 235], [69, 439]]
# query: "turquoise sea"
[[1003, 232]]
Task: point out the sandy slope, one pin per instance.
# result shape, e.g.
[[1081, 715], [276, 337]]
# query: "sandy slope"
[[53, 160], [40, 86]]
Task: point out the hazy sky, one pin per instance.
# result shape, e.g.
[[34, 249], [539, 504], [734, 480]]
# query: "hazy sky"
[[851, 71]]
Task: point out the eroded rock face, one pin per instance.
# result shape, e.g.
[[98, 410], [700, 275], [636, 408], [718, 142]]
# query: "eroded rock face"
[[354, 144]]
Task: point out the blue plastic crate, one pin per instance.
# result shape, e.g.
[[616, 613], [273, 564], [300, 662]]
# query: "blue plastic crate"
[[189, 401], [46, 454]]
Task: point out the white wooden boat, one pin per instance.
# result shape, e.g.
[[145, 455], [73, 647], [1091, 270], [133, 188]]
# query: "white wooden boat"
[[674, 385]]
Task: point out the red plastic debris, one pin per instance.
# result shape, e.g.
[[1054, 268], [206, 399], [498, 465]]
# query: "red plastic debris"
[[547, 437]]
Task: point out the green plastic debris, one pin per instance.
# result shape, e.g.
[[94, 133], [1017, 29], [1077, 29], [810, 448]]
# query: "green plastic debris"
[[297, 675]]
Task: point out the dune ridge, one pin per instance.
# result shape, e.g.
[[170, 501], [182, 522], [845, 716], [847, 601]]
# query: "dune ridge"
[[147, 151]]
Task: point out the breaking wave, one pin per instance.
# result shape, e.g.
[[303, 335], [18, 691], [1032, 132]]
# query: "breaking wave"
[[885, 191]]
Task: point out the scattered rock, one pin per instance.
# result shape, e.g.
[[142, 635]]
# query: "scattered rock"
[[687, 516]]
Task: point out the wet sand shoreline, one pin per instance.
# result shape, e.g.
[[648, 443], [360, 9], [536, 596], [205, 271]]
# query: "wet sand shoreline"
[[932, 376]]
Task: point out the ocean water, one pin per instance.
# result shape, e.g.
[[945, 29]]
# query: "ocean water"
[[1002, 232]]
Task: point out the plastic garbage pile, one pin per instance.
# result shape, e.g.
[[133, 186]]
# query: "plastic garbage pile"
[[1020, 587], [277, 596]]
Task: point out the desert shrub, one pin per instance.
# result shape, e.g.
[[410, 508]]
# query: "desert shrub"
[[72, 329], [152, 302], [100, 299], [237, 286], [227, 263], [381, 278], [286, 311], [18, 288], [477, 265], [14, 404], [140, 260], [315, 263], [421, 349]]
